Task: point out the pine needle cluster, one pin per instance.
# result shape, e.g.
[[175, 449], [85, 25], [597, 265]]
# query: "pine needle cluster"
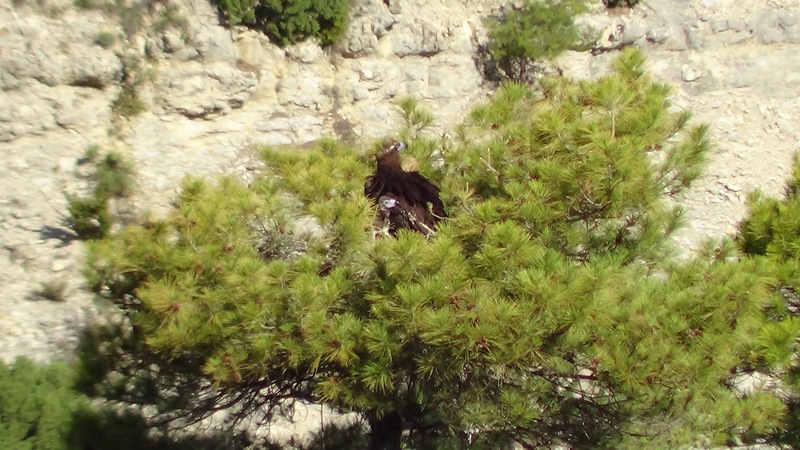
[[771, 234], [544, 311], [584, 167]]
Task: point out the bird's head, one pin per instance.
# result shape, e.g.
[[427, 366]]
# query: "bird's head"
[[389, 156], [387, 203], [392, 146]]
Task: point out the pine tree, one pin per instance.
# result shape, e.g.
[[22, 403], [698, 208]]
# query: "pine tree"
[[771, 233], [546, 310]]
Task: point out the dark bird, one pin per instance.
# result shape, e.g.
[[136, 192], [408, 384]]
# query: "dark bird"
[[396, 216], [406, 199]]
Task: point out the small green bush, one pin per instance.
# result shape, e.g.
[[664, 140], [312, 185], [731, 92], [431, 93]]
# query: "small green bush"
[[106, 39], [53, 290], [114, 177], [539, 30], [772, 230], [773, 225], [290, 21], [36, 406], [128, 104], [89, 217], [41, 410], [90, 155]]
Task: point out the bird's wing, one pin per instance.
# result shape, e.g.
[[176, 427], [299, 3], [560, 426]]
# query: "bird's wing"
[[398, 214], [420, 219], [374, 187], [421, 190]]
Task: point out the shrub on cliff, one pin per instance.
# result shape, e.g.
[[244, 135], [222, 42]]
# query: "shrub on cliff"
[[41, 410], [538, 30], [36, 406], [112, 178], [290, 21]]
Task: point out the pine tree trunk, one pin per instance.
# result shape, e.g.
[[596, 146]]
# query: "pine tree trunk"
[[386, 432]]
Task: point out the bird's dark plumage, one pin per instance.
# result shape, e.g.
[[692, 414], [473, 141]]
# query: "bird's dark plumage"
[[405, 199]]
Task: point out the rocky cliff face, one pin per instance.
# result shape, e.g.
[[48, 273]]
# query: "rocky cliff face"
[[212, 95]]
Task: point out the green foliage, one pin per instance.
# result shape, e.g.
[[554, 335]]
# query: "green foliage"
[[36, 406], [290, 21], [112, 178], [238, 11], [40, 410], [350, 437], [106, 429], [88, 216], [90, 155], [584, 166], [539, 30], [772, 231], [416, 118], [106, 39], [545, 310], [128, 103], [773, 226], [53, 290]]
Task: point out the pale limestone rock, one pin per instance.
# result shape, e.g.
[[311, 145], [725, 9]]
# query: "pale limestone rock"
[[80, 109], [24, 114], [359, 93], [77, 65], [307, 52], [631, 32], [689, 73], [675, 38], [254, 48], [281, 129], [172, 41], [203, 90], [359, 40], [213, 43], [442, 83], [419, 38], [370, 20], [55, 54], [306, 89]]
